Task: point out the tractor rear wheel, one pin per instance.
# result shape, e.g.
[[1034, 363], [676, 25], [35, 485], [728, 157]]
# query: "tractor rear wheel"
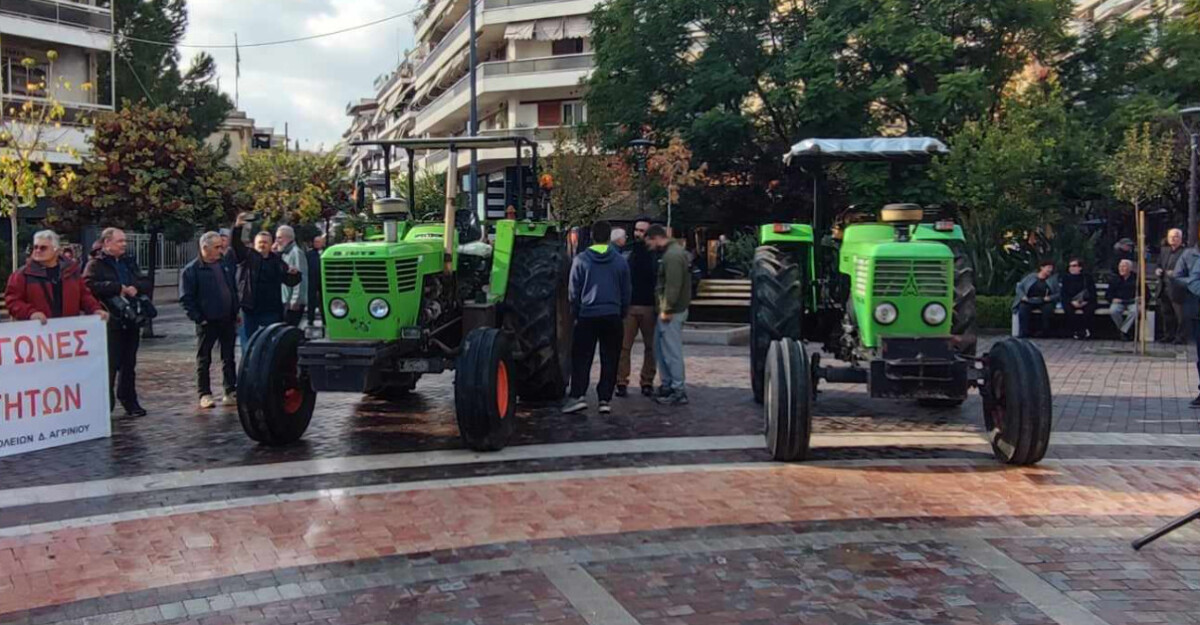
[[537, 315], [788, 398], [1017, 402], [485, 398], [275, 399], [964, 323], [776, 307]]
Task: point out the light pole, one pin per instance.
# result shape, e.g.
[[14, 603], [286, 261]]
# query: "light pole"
[[1191, 123], [641, 151], [474, 114]]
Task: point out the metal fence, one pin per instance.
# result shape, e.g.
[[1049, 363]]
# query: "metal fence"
[[91, 15], [172, 255]]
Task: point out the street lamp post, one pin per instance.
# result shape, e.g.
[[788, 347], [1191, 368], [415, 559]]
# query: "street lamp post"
[[1191, 122], [641, 151]]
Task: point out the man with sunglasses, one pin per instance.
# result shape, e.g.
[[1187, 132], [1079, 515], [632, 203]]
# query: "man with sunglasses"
[[49, 287]]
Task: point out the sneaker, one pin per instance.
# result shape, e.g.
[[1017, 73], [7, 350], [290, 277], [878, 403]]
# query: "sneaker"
[[648, 390], [662, 392], [1195, 402], [622, 390], [605, 408], [206, 401], [676, 398], [134, 409], [574, 405], [229, 399]]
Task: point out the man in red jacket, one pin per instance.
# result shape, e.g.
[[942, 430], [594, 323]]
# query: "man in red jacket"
[[49, 287]]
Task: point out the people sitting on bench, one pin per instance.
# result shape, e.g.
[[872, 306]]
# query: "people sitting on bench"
[[1079, 300], [1123, 299], [1040, 290]]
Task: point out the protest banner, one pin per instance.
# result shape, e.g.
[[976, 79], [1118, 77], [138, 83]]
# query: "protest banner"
[[53, 383]]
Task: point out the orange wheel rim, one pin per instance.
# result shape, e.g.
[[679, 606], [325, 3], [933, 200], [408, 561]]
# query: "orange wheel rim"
[[292, 400], [502, 389]]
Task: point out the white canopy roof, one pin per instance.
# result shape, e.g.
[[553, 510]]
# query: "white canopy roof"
[[879, 148]]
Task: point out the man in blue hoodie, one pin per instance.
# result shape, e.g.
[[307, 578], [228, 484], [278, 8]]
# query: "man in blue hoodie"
[[600, 292]]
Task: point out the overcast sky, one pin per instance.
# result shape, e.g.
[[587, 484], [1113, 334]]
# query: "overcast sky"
[[305, 84]]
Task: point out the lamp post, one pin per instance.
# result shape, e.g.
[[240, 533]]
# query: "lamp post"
[[1191, 123], [641, 151]]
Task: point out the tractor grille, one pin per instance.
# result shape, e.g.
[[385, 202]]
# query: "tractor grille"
[[919, 278], [372, 275], [406, 274]]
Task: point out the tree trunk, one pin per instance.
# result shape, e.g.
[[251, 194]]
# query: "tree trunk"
[[152, 269], [1141, 281], [16, 251]]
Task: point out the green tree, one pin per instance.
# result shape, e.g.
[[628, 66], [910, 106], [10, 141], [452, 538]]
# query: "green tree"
[[30, 132], [430, 191], [147, 64], [297, 188], [583, 179]]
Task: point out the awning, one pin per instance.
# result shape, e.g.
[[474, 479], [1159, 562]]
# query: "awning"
[[551, 29], [876, 149]]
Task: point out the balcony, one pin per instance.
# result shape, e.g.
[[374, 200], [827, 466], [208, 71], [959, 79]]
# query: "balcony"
[[62, 12], [539, 73], [1114, 8], [446, 43]]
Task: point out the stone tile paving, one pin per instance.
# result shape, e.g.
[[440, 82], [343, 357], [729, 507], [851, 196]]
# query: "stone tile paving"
[[926, 583], [1160, 584]]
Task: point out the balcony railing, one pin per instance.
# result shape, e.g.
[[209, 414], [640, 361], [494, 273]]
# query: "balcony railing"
[[541, 134], [93, 16], [544, 64], [440, 49], [1114, 7], [504, 4]]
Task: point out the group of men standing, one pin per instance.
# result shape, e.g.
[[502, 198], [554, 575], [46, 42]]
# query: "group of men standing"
[[617, 293], [231, 290]]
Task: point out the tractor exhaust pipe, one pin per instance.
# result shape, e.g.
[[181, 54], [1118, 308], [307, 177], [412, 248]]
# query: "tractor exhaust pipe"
[[448, 218]]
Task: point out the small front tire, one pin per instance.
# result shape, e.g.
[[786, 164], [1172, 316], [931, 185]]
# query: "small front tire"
[[275, 399], [787, 401], [1017, 404], [485, 395]]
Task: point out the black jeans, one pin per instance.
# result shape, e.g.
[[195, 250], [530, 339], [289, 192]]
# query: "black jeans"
[[122, 364], [1079, 320], [608, 332], [293, 317], [224, 333], [1025, 312]]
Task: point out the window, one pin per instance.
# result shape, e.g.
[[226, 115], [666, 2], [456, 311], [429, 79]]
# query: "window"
[[574, 113], [20, 78], [566, 46]]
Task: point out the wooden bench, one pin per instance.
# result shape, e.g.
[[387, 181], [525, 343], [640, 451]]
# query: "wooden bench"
[[721, 300], [1102, 308]]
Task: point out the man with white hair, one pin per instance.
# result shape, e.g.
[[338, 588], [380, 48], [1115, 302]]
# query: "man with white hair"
[[48, 286], [618, 238], [295, 298], [1171, 293], [208, 294], [1123, 299]]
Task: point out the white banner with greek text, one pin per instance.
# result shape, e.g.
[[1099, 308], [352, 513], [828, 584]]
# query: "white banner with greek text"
[[53, 383]]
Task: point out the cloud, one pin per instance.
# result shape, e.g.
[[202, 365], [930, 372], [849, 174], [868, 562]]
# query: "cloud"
[[307, 84]]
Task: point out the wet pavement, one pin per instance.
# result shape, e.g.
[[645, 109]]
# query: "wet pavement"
[[651, 515]]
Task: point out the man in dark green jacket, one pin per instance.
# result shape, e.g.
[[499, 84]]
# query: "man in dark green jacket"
[[674, 295]]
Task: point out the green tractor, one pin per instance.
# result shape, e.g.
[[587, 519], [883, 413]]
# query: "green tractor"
[[488, 301], [894, 299]]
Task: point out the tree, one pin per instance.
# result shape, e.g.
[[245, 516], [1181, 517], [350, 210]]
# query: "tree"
[[430, 191], [30, 131], [582, 178], [1141, 171], [297, 188], [147, 64], [672, 168]]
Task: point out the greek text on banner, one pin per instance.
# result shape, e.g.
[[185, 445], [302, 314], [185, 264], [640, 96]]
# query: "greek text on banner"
[[53, 383]]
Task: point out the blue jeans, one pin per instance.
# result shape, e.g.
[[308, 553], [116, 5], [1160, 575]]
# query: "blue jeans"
[[252, 321], [668, 350]]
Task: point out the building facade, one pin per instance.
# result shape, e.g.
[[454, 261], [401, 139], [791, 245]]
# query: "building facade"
[[244, 136], [533, 57], [1097, 11], [80, 34]]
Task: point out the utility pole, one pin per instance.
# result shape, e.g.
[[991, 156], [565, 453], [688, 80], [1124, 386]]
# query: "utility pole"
[[1192, 128], [473, 127]]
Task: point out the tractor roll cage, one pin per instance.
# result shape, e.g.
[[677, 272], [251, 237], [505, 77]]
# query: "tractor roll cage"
[[454, 144]]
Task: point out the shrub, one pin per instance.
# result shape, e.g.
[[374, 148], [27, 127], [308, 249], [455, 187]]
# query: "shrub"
[[994, 311]]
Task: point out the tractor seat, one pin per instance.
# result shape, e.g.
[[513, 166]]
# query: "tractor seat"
[[469, 229]]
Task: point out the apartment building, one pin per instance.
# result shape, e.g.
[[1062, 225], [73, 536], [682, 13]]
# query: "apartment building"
[[81, 33], [1097, 11], [533, 56], [244, 136]]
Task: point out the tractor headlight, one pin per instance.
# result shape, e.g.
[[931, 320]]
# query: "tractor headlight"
[[886, 313], [379, 308], [338, 308], [934, 314]]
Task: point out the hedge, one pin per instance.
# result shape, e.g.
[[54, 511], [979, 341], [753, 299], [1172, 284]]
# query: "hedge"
[[994, 311]]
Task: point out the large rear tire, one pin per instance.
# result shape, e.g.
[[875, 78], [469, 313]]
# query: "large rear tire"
[[776, 307], [485, 399], [964, 323], [788, 395], [275, 399], [1017, 403], [537, 315]]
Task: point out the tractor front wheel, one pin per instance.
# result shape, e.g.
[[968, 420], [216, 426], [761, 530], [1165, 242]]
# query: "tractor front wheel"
[[485, 396], [275, 399], [1017, 402], [775, 307], [788, 399]]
